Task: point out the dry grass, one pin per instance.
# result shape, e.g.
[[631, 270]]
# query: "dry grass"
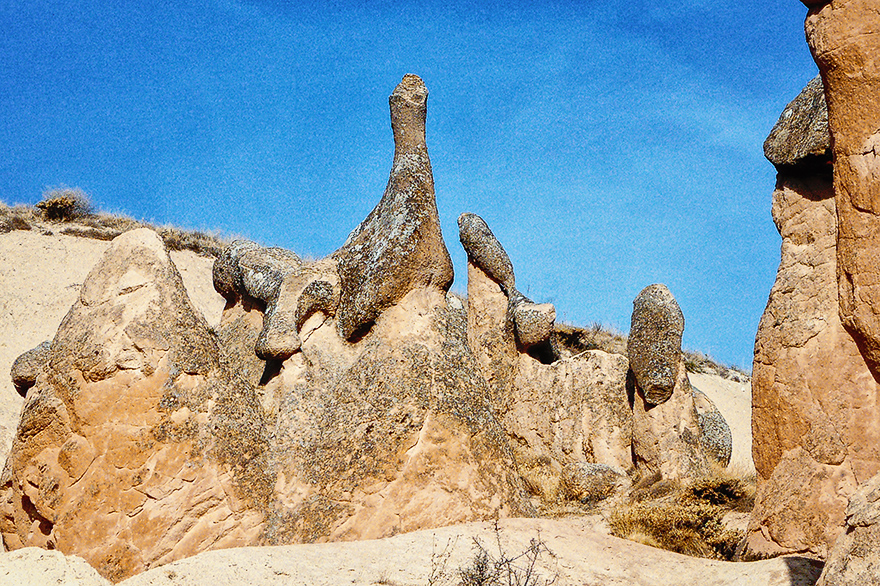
[[576, 340], [60, 211], [686, 518]]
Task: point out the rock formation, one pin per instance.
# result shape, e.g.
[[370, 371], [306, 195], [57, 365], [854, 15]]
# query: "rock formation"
[[567, 411], [27, 366], [855, 558], [667, 437], [816, 428], [843, 37], [164, 439], [113, 455], [715, 435], [399, 246]]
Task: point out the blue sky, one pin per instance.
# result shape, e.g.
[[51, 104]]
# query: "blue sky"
[[609, 144]]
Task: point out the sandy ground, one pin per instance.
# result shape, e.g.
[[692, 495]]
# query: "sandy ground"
[[734, 400], [573, 553], [40, 278]]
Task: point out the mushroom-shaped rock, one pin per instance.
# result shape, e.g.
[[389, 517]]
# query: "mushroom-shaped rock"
[[399, 246], [802, 129], [534, 322], [654, 345], [27, 366]]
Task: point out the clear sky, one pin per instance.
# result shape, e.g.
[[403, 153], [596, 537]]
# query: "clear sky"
[[609, 144]]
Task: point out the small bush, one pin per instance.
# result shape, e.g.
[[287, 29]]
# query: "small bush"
[[686, 518], [65, 204]]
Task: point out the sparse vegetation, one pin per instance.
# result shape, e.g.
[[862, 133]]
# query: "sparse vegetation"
[[686, 518], [71, 207], [577, 340], [486, 568], [64, 204]]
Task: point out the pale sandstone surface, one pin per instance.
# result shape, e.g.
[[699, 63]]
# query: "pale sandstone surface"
[[734, 401], [35, 566], [581, 556], [40, 278]]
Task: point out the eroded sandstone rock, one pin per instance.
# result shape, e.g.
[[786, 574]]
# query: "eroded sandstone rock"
[[667, 436], [815, 401], [114, 458], [844, 39], [27, 366], [855, 558], [399, 247], [715, 432]]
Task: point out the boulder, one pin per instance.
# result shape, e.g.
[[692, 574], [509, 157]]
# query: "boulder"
[[27, 366], [855, 558], [398, 248], [714, 432], [654, 344], [34, 566], [815, 430], [801, 133]]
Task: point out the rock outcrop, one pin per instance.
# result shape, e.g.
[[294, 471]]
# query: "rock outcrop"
[[113, 458], [26, 367], [555, 411], [667, 436], [816, 428], [715, 434], [399, 246], [148, 437], [843, 37], [855, 558]]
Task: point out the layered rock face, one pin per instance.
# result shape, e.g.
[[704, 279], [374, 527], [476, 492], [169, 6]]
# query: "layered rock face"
[[844, 36], [114, 458], [147, 437], [815, 401]]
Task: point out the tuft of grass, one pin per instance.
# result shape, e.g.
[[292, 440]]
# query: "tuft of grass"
[[686, 518], [576, 340], [64, 204], [16, 218]]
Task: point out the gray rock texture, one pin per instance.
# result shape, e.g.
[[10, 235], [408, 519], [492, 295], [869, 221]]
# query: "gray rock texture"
[[587, 482], [715, 433], [27, 366], [855, 558], [654, 345], [399, 246], [802, 129], [484, 250]]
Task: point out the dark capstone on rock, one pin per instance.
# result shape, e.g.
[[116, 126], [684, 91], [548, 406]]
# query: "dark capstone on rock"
[[802, 130], [399, 246], [654, 345]]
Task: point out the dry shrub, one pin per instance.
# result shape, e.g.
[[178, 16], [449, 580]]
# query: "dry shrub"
[[198, 242], [686, 518], [64, 204], [16, 218], [540, 477]]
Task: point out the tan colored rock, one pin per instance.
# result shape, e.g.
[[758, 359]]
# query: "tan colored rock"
[[114, 458], [815, 401], [399, 246], [667, 438], [844, 36], [715, 433], [573, 410], [28, 366], [855, 558]]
